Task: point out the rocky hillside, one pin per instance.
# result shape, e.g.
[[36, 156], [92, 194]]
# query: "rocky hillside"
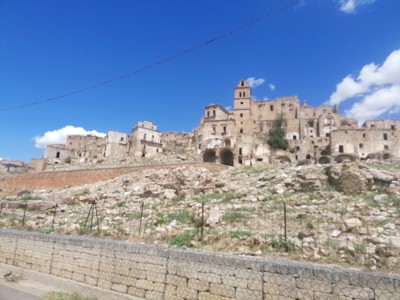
[[344, 214]]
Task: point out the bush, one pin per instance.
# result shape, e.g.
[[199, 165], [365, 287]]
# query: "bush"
[[183, 239], [277, 139]]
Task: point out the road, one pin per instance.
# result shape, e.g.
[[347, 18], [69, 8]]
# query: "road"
[[8, 293]]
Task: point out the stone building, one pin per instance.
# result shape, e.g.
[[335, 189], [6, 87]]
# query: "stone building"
[[240, 136], [144, 141], [314, 133]]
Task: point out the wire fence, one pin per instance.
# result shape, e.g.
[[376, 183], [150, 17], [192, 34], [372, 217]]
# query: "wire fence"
[[318, 232]]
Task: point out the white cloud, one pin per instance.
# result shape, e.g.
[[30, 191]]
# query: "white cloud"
[[272, 87], [255, 82], [59, 136], [350, 6], [376, 90]]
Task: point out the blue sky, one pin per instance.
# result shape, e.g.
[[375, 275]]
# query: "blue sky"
[[323, 51]]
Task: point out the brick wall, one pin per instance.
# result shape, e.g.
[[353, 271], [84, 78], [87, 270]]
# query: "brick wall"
[[12, 184], [154, 272]]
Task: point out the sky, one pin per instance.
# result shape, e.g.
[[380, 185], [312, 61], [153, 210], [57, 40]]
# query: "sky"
[[87, 67]]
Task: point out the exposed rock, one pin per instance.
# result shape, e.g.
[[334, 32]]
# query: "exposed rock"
[[350, 178], [351, 224], [381, 198]]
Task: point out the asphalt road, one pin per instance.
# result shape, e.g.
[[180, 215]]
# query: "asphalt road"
[[7, 293]]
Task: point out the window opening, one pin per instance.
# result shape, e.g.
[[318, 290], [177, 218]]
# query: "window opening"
[[341, 149]]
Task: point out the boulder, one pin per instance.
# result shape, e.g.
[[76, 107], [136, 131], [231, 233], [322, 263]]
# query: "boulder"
[[351, 224]]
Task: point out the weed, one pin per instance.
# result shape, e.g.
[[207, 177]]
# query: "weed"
[[177, 199], [234, 216], [280, 243], [30, 197], [310, 225], [240, 233], [360, 248], [84, 192], [65, 296], [135, 216], [182, 216], [183, 239]]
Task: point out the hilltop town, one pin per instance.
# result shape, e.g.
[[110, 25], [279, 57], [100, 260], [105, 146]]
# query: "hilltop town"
[[240, 136]]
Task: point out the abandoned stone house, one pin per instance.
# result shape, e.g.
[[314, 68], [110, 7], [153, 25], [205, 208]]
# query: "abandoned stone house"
[[144, 141], [239, 136]]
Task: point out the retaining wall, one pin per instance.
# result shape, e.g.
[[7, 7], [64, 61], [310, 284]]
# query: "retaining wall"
[[154, 272], [12, 184]]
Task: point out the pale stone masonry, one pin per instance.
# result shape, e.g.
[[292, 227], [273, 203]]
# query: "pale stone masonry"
[[154, 272], [239, 136]]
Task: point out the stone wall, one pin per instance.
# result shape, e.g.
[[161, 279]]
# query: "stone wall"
[[12, 184], [154, 272]]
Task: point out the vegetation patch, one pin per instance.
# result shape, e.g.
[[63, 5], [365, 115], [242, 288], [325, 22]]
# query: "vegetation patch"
[[66, 296], [234, 216], [183, 239]]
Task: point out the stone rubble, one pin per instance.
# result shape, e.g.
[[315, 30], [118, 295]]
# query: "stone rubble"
[[339, 213]]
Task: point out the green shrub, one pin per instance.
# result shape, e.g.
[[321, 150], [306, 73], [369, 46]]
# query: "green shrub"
[[183, 239], [277, 139]]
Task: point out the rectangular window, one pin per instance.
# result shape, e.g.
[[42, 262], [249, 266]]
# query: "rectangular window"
[[328, 134], [240, 151], [241, 115], [393, 127], [341, 149], [271, 108], [385, 136], [214, 113], [241, 130], [361, 146], [294, 137], [224, 128]]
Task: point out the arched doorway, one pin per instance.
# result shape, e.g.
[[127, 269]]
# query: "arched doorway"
[[209, 156], [323, 160], [226, 157]]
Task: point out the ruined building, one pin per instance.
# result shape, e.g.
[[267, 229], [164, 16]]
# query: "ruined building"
[[239, 136]]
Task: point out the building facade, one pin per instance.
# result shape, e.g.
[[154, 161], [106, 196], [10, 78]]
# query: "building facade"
[[240, 136]]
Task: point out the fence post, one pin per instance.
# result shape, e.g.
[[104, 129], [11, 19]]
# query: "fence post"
[[141, 217], [285, 226], [202, 221], [54, 215], [23, 218]]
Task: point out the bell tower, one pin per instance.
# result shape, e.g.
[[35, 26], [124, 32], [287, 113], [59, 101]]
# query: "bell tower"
[[242, 97]]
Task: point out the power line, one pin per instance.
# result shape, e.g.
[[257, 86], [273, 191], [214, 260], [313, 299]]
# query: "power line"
[[162, 61]]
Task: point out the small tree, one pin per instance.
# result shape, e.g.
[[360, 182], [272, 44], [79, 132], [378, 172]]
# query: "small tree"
[[277, 139]]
